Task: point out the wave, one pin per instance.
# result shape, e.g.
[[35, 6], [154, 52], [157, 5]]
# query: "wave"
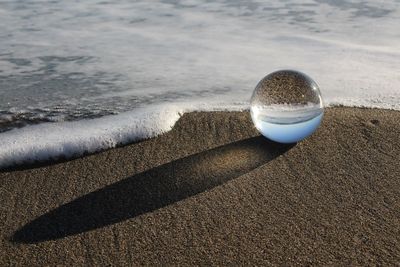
[[71, 139], [66, 140], [58, 97]]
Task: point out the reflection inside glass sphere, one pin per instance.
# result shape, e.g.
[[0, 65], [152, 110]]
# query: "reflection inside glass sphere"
[[286, 106]]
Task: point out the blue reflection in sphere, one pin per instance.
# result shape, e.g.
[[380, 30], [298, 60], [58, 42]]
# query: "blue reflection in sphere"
[[286, 106]]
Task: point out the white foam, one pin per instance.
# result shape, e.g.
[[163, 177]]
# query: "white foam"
[[70, 139], [50, 141], [351, 49]]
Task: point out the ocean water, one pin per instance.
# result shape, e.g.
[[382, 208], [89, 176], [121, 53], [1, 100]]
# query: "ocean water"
[[115, 65]]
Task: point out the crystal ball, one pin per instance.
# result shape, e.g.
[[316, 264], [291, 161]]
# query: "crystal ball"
[[286, 106]]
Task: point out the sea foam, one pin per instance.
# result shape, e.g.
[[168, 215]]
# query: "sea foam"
[[51, 141], [67, 140], [71, 139]]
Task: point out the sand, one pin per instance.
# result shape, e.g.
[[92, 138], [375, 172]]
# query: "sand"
[[213, 192]]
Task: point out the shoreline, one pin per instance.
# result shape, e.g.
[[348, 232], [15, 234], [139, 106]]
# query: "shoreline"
[[211, 191], [42, 152]]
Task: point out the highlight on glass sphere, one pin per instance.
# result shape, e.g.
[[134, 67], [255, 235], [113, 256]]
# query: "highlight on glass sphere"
[[286, 106]]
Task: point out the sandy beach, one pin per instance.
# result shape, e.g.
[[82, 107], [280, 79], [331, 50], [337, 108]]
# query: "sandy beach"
[[213, 192]]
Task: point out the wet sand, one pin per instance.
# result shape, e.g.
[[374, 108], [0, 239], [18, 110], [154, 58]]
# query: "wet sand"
[[213, 192]]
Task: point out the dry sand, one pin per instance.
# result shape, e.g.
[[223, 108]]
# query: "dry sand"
[[212, 192]]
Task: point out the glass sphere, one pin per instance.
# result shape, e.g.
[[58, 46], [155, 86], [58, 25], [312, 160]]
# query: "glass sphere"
[[286, 106]]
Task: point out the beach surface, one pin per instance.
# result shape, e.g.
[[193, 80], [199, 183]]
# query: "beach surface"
[[213, 192]]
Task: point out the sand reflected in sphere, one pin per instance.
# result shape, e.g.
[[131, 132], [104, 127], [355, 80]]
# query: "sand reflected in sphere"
[[286, 106]]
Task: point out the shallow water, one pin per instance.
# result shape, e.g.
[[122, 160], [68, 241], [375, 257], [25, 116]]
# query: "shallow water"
[[66, 61]]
